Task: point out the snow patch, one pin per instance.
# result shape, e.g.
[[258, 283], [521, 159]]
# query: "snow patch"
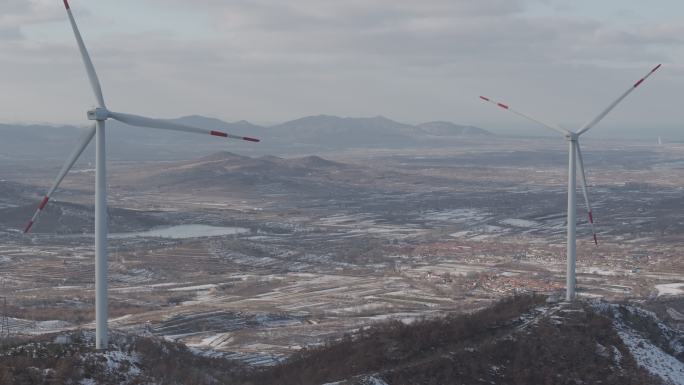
[[519, 223], [372, 380], [670, 288], [454, 215], [651, 357], [646, 353]]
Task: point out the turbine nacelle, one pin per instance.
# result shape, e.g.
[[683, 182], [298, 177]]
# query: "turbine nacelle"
[[98, 113]]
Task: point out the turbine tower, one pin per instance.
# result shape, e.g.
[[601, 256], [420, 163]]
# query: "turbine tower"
[[574, 160], [99, 115]]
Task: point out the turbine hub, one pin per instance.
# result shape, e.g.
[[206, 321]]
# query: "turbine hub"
[[98, 113], [571, 136]]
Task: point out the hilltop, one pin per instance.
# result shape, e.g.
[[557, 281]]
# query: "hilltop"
[[519, 340], [227, 173]]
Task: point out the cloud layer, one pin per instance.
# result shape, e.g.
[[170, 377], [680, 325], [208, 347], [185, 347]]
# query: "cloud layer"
[[271, 60]]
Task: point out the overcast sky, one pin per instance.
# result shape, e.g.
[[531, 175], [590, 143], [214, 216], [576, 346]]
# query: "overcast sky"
[[409, 60]]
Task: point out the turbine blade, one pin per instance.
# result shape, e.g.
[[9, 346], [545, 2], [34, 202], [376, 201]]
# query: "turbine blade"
[[605, 112], [528, 117], [583, 183], [141, 121], [87, 137], [90, 69]]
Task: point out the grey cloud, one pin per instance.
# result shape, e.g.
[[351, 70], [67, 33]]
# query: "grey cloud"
[[14, 14], [415, 31], [275, 60], [9, 33]]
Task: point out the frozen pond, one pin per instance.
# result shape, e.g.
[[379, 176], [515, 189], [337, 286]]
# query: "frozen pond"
[[184, 231]]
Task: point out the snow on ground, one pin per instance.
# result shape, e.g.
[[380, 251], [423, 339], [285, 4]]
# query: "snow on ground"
[[369, 380], [195, 288], [651, 357], [519, 223], [361, 224], [451, 268], [135, 276], [346, 219], [677, 316], [117, 360], [372, 380], [251, 359], [601, 271], [480, 231], [455, 215], [53, 325], [23, 326], [460, 234], [214, 339], [670, 288], [184, 231], [648, 355]]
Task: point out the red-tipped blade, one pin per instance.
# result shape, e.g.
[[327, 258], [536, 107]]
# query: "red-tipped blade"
[[605, 112], [66, 4], [644, 78], [225, 135], [33, 220], [591, 222], [43, 203], [87, 137], [528, 117], [141, 121], [585, 190]]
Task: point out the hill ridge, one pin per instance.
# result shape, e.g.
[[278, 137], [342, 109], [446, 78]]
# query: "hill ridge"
[[518, 340]]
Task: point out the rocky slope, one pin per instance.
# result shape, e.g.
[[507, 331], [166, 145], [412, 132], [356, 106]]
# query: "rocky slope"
[[520, 340]]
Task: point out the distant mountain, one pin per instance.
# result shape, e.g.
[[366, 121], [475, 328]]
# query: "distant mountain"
[[242, 127], [336, 132], [13, 194], [305, 135], [221, 156], [69, 218], [440, 128], [24, 142], [20, 143], [237, 175], [333, 125], [312, 161], [227, 164], [18, 202]]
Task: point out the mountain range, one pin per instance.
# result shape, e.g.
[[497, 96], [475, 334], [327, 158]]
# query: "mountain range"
[[312, 134]]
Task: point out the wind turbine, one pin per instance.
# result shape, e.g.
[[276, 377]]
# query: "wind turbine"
[[100, 114], [574, 159]]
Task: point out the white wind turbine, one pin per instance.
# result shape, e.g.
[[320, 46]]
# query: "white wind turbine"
[[574, 159], [100, 114]]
